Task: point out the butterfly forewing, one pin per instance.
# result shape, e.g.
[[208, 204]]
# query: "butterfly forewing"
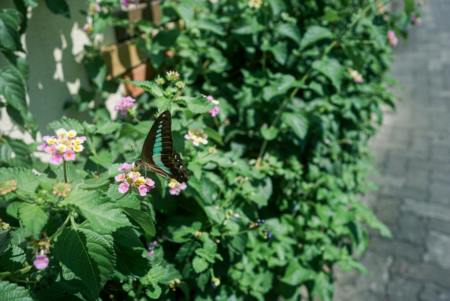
[[157, 152]]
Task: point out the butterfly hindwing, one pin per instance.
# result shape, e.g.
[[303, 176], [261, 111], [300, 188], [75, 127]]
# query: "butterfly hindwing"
[[157, 152]]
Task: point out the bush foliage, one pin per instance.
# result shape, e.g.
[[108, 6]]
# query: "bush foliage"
[[273, 203]]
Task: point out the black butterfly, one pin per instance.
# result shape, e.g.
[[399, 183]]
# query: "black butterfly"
[[158, 154]]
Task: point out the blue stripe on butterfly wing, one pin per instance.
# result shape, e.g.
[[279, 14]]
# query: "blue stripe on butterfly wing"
[[160, 164]]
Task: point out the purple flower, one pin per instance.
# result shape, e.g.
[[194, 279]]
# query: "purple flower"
[[392, 38], [56, 159], [123, 187], [214, 111], [125, 166], [143, 189], [125, 105], [176, 187], [40, 262]]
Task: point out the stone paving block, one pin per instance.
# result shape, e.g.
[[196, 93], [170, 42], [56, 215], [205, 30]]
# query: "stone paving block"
[[439, 225], [401, 289], [412, 229], [432, 292], [430, 210], [423, 272], [396, 248], [438, 249], [440, 192]]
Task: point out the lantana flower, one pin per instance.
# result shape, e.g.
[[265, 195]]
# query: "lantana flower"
[[392, 38], [216, 109], [255, 3], [130, 178], [197, 137], [41, 260], [356, 76], [124, 105], [62, 189], [172, 76], [176, 187], [64, 146]]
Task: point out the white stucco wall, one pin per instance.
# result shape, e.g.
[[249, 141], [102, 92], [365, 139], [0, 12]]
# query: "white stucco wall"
[[53, 43]]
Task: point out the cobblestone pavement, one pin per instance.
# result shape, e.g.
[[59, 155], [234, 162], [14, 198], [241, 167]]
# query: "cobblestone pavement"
[[412, 153]]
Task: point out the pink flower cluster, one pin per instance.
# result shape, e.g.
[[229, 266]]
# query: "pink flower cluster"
[[176, 187], [124, 105], [216, 109], [63, 146], [131, 178], [392, 38]]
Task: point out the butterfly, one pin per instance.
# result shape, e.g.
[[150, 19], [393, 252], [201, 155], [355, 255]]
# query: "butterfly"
[[157, 152]]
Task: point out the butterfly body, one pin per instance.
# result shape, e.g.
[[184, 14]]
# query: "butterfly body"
[[157, 153]]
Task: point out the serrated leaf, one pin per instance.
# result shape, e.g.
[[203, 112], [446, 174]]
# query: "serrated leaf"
[[12, 292], [33, 219], [89, 255], [297, 123], [314, 34], [13, 89], [332, 69], [197, 105], [106, 128], [289, 30], [199, 264], [148, 86], [68, 124], [103, 158], [269, 133], [103, 217], [143, 219], [10, 20]]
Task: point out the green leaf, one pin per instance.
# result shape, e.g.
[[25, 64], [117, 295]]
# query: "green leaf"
[[33, 219], [102, 216], [269, 133], [10, 20], [68, 124], [89, 255], [103, 158], [199, 264], [297, 123], [143, 219], [197, 105], [148, 86], [410, 6], [13, 89], [58, 7], [13, 292], [106, 128], [296, 274], [289, 30], [332, 70], [314, 34]]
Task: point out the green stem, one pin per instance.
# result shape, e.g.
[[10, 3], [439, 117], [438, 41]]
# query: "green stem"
[[65, 170], [21, 271], [61, 228]]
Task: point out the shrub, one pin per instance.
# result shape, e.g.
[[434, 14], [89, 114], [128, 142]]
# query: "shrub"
[[277, 154]]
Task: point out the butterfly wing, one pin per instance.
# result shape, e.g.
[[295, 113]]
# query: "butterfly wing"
[[158, 154]]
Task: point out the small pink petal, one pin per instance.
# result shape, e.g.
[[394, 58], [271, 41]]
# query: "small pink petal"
[[41, 262], [69, 155], [174, 191], [56, 159], [150, 183], [42, 147], [125, 166], [214, 111], [182, 186], [120, 177], [143, 189], [123, 187], [50, 149]]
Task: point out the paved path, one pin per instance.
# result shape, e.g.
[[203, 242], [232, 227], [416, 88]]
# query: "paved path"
[[412, 153]]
